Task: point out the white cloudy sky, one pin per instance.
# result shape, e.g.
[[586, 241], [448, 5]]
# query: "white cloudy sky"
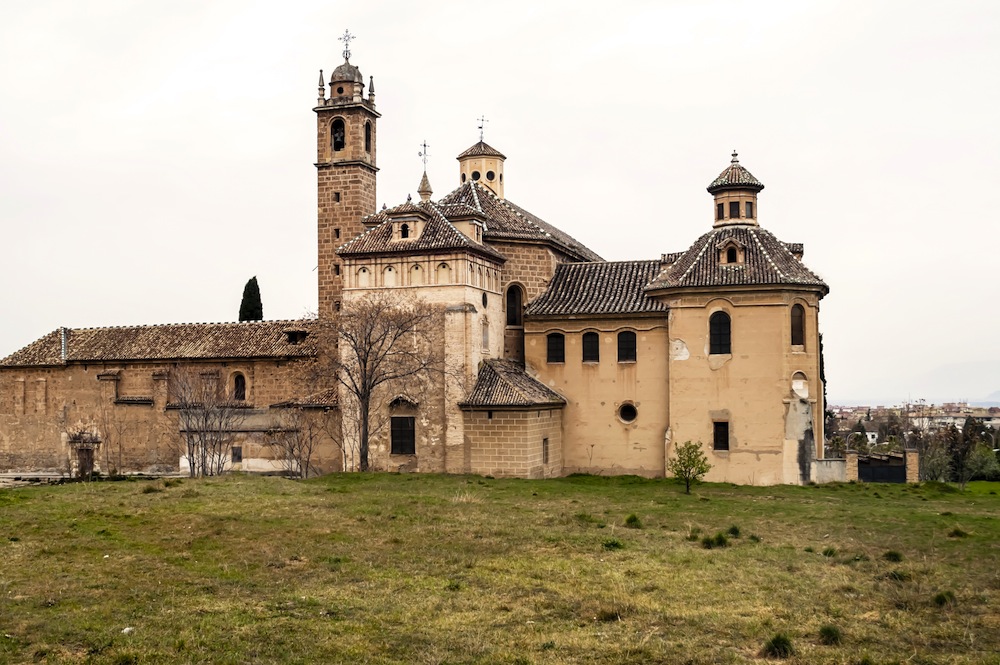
[[157, 154]]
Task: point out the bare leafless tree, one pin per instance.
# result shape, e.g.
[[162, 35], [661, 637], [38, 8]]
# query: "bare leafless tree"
[[208, 418], [384, 342], [302, 431]]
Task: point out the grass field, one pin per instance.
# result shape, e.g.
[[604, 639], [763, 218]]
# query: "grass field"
[[452, 569]]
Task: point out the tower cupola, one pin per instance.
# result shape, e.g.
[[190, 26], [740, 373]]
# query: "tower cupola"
[[483, 164], [735, 192]]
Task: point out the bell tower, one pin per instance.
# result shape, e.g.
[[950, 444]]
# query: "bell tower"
[[345, 170]]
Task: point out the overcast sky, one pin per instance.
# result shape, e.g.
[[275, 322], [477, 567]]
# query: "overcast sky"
[[156, 155]]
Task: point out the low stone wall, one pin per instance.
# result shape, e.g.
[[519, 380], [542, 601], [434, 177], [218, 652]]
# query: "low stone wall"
[[830, 470]]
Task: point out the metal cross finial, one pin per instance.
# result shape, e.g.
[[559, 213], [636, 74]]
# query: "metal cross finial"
[[482, 123], [346, 38], [423, 153]]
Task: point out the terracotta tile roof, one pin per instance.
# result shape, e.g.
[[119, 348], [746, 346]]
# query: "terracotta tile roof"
[[438, 235], [324, 399], [250, 339], [481, 150], [598, 288], [735, 176], [503, 383], [506, 221], [767, 260]]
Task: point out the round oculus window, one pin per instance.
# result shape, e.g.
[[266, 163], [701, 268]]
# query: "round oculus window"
[[475, 175], [340, 90], [627, 412], [490, 175]]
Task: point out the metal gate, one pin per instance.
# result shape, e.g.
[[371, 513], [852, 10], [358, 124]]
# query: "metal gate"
[[876, 471]]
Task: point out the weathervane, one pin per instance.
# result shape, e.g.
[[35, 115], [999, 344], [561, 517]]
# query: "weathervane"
[[482, 123], [346, 38], [423, 154]]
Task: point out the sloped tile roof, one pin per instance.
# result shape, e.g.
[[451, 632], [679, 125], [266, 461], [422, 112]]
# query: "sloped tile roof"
[[328, 398], [767, 260], [250, 339], [506, 221], [438, 235], [503, 383], [598, 288], [481, 150], [735, 176]]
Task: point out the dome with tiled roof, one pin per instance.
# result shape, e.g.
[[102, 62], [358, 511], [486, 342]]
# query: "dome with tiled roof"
[[735, 176], [346, 72], [481, 149]]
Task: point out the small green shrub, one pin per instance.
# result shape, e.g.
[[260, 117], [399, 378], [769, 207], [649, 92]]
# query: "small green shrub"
[[716, 541], [453, 585], [944, 598], [754, 538], [733, 531], [958, 533], [829, 551], [830, 635], [633, 522], [779, 646], [613, 544], [809, 549], [693, 534], [548, 646], [893, 555]]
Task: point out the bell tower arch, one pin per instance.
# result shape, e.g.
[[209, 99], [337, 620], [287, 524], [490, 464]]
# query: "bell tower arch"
[[345, 170]]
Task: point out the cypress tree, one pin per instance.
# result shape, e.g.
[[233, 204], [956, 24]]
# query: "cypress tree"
[[251, 308]]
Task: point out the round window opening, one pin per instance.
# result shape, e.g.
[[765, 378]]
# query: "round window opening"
[[484, 300], [475, 175], [490, 175], [627, 412], [340, 90]]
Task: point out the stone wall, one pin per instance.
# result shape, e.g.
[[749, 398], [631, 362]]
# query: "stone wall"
[[512, 443]]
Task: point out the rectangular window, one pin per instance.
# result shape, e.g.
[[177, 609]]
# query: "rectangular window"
[[237, 454], [720, 211], [404, 440], [749, 209], [336, 234], [336, 197], [336, 269], [545, 450], [734, 210], [591, 347], [555, 351], [720, 436]]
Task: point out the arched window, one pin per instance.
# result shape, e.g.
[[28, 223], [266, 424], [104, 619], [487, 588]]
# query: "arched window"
[[555, 348], [416, 275], [389, 276], [486, 335], [368, 137], [719, 337], [591, 347], [364, 277], [239, 387], [731, 255], [514, 307], [626, 347], [338, 136], [443, 274], [404, 231], [798, 325]]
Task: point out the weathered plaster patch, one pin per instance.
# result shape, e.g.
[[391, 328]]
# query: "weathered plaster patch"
[[718, 360], [799, 428], [679, 350]]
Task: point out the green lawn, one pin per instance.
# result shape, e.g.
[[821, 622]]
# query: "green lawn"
[[453, 569]]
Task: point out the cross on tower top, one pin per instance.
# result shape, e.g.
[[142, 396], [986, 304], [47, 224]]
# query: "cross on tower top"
[[423, 154], [346, 38], [482, 123]]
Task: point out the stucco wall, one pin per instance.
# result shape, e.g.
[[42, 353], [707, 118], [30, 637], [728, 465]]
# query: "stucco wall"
[[510, 443]]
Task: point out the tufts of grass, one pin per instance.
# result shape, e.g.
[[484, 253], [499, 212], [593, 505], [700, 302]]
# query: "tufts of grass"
[[830, 635], [151, 489], [829, 552], [633, 521], [608, 614], [754, 538], [958, 533], [733, 531], [172, 482], [453, 585], [944, 599], [613, 544], [714, 542], [898, 575], [809, 548], [779, 646], [693, 534], [893, 556]]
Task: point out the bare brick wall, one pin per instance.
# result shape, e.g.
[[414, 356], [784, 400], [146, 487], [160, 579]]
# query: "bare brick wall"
[[509, 443]]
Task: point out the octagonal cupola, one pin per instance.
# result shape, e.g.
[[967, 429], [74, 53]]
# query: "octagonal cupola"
[[735, 192], [483, 164]]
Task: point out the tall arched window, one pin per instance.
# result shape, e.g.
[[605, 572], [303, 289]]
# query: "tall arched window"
[[555, 348], [719, 337], [731, 255], [364, 277], [591, 347], [338, 136], [514, 307], [443, 274], [798, 325], [239, 387], [404, 231], [626, 347], [368, 137]]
